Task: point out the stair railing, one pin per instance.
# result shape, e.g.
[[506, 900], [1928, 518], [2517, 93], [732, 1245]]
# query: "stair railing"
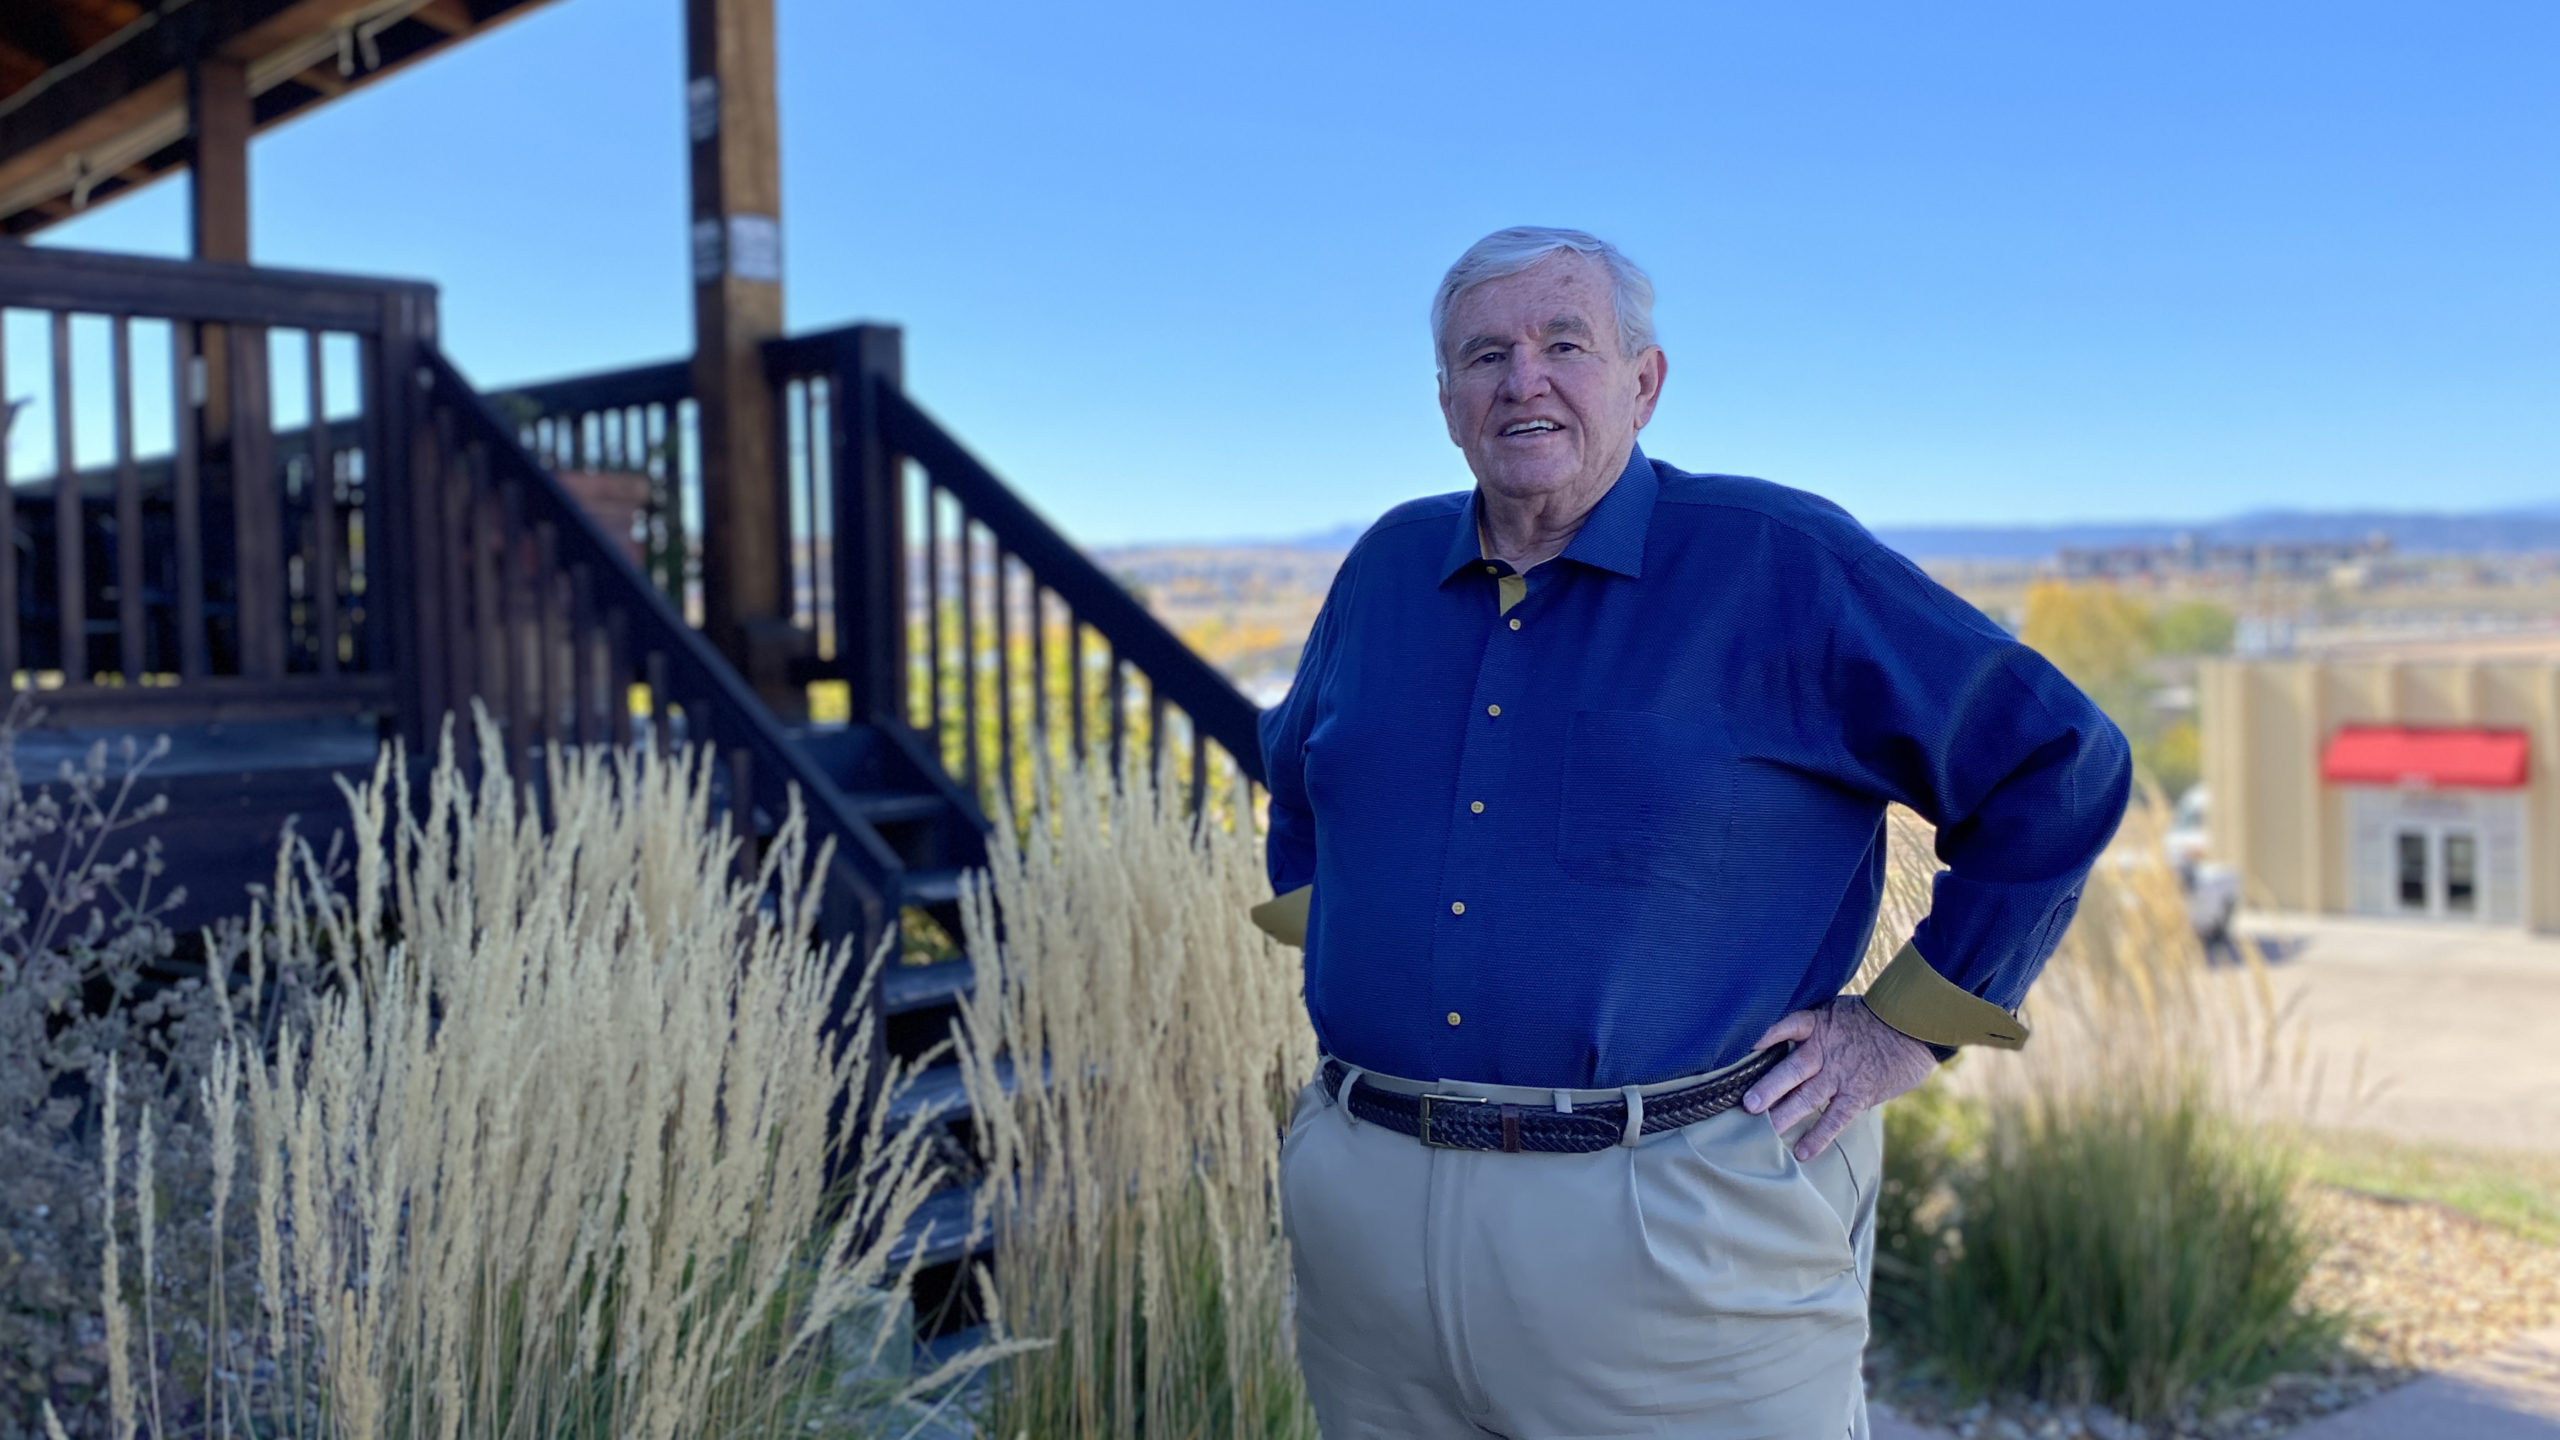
[[637, 421], [219, 557], [522, 602], [951, 605]]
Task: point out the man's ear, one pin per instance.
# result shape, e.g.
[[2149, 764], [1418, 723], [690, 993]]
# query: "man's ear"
[[1448, 418], [1651, 368]]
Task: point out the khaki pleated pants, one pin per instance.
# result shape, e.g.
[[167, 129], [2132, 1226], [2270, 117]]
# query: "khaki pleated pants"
[[1698, 1283]]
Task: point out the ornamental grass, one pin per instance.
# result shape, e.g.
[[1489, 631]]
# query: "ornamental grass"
[[2107, 1216], [1131, 1052], [559, 1153]]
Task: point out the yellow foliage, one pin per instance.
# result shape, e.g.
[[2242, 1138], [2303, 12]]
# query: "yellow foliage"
[[2096, 634]]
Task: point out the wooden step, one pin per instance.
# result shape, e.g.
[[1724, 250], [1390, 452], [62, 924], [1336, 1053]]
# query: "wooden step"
[[941, 1087], [940, 1229], [906, 989], [896, 807], [931, 887]]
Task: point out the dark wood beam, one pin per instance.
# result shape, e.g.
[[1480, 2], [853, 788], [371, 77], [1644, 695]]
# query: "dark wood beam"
[[218, 123], [449, 16], [737, 306]]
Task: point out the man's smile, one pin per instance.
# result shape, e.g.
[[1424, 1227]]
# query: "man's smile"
[[1532, 427]]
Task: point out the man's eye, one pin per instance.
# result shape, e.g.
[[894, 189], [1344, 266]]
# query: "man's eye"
[[1483, 356], [1564, 346]]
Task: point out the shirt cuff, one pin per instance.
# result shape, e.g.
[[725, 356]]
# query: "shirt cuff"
[[1284, 917], [1912, 997]]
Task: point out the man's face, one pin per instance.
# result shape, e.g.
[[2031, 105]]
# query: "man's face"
[[1535, 390]]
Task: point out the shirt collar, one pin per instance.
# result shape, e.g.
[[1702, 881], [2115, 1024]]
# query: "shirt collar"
[[1611, 537]]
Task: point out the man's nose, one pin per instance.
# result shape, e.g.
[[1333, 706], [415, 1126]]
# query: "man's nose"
[[1525, 378]]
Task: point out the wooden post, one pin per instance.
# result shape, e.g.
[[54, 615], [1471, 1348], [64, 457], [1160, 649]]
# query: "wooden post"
[[219, 121], [218, 124], [737, 306], [870, 581]]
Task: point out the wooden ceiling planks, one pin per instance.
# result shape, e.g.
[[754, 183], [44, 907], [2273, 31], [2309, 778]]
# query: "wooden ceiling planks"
[[93, 92]]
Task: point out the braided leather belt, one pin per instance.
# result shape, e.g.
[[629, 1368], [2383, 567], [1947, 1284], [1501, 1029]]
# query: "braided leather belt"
[[1465, 1122]]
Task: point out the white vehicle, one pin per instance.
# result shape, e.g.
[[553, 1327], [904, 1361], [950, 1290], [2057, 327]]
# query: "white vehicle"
[[2213, 890]]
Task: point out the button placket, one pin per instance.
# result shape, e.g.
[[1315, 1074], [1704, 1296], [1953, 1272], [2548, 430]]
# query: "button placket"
[[1464, 931]]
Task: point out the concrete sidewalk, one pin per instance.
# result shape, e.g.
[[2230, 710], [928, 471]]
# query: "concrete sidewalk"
[[2512, 1393]]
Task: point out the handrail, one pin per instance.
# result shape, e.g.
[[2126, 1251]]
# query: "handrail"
[[662, 383], [39, 277], [503, 495], [1175, 669]]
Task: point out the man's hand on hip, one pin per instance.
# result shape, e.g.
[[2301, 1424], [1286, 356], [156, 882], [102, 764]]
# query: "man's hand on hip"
[[1846, 1062]]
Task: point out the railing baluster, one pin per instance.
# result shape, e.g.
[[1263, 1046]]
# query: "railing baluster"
[[257, 510], [662, 720], [968, 568], [70, 534], [742, 808], [933, 616], [1199, 768], [186, 503], [586, 699], [551, 615], [466, 673], [487, 552], [1039, 665], [324, 513], [1155, 731], [1004, 670], [523, 627], [1114, 697], [618, 676], [129, 617], [1075, 683]]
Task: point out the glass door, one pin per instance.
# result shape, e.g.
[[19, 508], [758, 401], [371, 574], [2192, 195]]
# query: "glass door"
[[2413, 871], [2435, 871]]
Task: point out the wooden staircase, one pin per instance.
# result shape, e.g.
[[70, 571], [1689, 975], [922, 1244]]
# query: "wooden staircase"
[[396, 547]]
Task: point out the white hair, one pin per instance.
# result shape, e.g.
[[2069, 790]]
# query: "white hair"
[[1508, 252]]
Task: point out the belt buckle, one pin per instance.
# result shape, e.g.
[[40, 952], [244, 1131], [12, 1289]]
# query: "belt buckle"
[[1422, 1119]]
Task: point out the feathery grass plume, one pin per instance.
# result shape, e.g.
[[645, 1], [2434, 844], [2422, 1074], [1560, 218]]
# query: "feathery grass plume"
[[1131, 1052], [111, 1268], [560, 1155], [2107, 1214]]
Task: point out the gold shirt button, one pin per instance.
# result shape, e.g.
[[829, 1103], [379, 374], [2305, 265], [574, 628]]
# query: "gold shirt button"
[[1453, 1017], [1457, 907], [1515, 624], [1476, 805], [1493, 709], [1493, 569]]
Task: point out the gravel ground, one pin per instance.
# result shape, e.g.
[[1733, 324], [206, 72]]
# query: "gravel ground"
[[2426, 1286]]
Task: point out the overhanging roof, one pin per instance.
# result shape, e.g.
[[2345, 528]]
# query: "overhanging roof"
[[93, 94], [2441, 757]]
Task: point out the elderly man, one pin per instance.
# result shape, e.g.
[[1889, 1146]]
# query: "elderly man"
[[1578, 808]]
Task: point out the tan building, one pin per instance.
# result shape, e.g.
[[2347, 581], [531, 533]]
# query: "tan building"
[[2411, 780]]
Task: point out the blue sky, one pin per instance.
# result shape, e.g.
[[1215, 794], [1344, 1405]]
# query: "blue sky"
[[1165, 264]]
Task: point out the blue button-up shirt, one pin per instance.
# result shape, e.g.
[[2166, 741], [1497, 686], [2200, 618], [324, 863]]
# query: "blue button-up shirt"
[[1607, 835]]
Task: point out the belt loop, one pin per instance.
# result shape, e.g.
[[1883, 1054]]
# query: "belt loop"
[[1351, 1078], [1564, 1102], [1635, 1116]]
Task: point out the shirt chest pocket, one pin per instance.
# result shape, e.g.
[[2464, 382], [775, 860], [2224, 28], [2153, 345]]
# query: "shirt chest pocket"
[[1648, 801]]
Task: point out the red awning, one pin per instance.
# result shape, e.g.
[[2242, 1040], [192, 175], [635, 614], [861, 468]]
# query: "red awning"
[[2425, 755]]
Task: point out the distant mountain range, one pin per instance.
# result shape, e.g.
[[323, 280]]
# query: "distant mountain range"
[[2531, 528]]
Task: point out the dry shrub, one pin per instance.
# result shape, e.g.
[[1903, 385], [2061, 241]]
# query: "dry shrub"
[[2108, 1214], [553, 1159], [82, 929], [1155, 1039]]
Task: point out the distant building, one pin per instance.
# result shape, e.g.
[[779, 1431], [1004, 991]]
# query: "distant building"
[[2407, 780], [2188, 557]]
